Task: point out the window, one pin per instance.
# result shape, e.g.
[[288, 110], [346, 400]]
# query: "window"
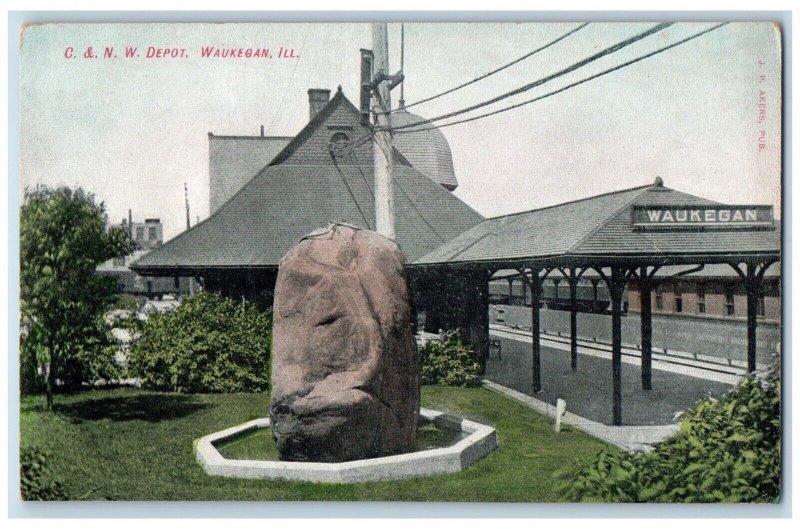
[[678, 298], [730, 308], [151, 233], [701, 299], [760, 309], [338, 142], [140, 233], [659, 297]]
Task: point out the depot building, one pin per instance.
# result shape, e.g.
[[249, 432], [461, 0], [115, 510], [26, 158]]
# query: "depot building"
[[268, 192]]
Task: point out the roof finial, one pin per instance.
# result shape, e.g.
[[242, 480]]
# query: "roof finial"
[[339, 88], [659, 182]]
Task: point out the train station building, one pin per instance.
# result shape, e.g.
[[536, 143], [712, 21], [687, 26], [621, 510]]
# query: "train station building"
[[632, 242]]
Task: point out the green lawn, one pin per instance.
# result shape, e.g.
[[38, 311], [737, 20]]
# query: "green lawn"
[[129, 444]]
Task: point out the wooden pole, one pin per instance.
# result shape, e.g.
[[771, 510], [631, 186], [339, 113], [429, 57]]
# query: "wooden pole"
[[751, 286], [573, 320], [646, 317], [384, 184], [536, 351], [616, 287]]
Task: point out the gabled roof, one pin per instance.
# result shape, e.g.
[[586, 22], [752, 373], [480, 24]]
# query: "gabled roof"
[[597, 226], [305, 188], [339, 115]]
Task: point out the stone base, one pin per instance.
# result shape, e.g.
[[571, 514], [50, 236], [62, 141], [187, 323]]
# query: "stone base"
[[480, 440]]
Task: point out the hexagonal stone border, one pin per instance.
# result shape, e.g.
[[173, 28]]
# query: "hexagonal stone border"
[[481, 440]]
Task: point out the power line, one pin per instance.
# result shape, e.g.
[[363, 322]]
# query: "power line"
[[554, 92], [291, 78], [607, 51], [484, 76]]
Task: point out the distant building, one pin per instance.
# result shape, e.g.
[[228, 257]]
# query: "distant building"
[[129, 282], [146, 236], [713, 292], [716, 291]]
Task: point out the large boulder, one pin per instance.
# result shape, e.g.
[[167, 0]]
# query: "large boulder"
[[344, 372]]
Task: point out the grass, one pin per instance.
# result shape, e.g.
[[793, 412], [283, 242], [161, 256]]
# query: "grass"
[[126, 444]]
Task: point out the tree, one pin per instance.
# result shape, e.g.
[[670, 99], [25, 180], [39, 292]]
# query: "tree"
[[63, 237]]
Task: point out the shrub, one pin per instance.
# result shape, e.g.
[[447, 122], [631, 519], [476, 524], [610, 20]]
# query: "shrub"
[[36, 480], [125, 302], [448, 362], [725, 451], [209, 344]]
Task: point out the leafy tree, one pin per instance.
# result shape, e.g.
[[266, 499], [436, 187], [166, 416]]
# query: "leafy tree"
[[63, 237]]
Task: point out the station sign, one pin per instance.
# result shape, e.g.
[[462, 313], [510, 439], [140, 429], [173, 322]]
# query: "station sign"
[[714, 216]]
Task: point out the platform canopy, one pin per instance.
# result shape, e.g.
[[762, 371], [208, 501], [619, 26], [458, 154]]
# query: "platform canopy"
[[623, 236], [616, 228]]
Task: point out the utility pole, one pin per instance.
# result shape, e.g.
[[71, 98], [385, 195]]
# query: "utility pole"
[[188, 225], [186, 199], [382, 83]]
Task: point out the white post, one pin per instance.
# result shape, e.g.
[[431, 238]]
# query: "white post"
[[384, 184], [561, 409]]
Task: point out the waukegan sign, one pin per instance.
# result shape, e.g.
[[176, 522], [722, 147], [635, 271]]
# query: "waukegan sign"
[[721, 216]]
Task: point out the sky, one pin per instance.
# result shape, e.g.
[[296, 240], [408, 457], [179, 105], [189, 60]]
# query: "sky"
[[133, 130]]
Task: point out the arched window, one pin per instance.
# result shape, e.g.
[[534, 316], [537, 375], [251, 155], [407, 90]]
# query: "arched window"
[[338, 142]]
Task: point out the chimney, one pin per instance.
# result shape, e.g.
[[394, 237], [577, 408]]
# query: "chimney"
[[317, 99], [366, 84], [262, 131]]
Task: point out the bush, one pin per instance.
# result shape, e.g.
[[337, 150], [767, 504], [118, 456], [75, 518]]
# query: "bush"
[[210, 344], [725, 451], [125, 302], [36, 480], [448, 362]]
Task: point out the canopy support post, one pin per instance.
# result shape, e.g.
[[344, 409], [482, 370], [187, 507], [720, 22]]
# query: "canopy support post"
[[535, 282], [573, 276], [646, 320], [616, 288], [753, 279]]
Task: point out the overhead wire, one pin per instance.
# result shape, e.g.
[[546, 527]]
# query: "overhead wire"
[[291, 78], [607, 51], [496, 70], [567, 87]]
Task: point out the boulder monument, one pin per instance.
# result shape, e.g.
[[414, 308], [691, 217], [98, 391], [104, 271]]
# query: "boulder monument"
[[345, 383]]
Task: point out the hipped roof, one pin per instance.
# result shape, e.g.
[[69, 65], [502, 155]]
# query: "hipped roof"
[[599, 228]]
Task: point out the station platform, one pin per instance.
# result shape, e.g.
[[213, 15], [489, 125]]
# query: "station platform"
[[588, 391]]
